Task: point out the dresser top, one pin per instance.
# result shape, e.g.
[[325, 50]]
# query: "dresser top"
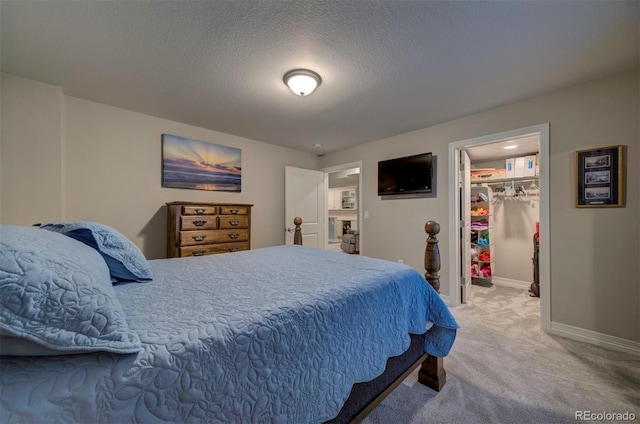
[[208, 204]]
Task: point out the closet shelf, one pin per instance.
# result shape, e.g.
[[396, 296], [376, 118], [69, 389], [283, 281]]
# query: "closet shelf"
[[484, 262], [482, 245], [504, 180], [481, 278], [482, 270]]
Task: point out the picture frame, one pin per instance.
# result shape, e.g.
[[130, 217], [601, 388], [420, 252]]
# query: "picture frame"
[[199, 165], [600, 177]]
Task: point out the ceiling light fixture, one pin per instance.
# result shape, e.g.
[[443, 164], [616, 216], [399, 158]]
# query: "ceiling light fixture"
[[302, 81], [511, 146]]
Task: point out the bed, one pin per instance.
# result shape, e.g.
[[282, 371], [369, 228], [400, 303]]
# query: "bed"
[[92, 332]]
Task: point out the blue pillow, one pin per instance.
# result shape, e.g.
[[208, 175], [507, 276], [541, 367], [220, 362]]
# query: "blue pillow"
[[125, 261], [56, 294]]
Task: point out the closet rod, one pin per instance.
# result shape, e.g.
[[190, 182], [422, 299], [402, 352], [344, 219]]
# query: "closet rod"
[[506, 180]]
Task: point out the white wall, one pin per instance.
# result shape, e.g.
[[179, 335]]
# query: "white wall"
[[514, 225], [31, 168], [65, 158], [594, 252]]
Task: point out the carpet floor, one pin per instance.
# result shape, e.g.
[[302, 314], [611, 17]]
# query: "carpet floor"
[[504, 369]]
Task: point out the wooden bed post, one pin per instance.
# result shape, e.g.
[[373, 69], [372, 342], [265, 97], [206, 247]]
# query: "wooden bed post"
[[432, 255], [432, 373], [297, 235]]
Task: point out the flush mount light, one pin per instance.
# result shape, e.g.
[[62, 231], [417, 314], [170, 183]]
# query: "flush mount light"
[[302, 81], [510, 146]]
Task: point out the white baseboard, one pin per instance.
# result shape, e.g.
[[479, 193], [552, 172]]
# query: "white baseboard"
[[499, 281], [595, 338]]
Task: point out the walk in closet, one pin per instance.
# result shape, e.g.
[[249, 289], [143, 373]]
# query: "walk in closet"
[[505, 210]]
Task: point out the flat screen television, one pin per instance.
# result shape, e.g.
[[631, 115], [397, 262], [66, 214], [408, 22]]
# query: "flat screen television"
[[407, 175]]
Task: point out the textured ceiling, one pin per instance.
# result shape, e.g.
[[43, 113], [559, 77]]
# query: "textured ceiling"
[[387, 67], [520, 146]]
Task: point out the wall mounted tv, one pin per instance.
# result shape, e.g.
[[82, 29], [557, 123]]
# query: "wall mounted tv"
[[407, 175]]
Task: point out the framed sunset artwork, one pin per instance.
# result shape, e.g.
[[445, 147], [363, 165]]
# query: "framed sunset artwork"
[[198, 165]]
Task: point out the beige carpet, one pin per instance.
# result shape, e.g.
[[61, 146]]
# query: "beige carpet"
[[504, 369]]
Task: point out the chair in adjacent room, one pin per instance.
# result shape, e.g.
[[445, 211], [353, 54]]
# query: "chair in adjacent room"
[[351, 242]]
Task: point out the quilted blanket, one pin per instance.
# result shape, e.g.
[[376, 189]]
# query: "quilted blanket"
[[268, 335]]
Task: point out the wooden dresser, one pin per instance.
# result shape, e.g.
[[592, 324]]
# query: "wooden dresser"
[[198, 228]]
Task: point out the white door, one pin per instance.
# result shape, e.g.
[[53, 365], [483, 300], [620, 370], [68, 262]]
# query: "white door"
[[465, 226], [306, 196]]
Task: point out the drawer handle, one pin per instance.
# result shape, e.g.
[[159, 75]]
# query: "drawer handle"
[[199, 238], [198, 252], [233, 211], [199, 211], [234, 222], [234, 236], [233, 249], [199, 223]]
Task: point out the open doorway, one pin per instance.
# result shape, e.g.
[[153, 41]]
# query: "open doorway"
[[504, 212], [344, 233], [461, 191]]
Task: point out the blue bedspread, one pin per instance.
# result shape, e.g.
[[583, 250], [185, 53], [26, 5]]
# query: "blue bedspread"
[[268, 335]]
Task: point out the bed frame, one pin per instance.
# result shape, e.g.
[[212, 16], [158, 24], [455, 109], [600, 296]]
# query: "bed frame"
[[366, 396]]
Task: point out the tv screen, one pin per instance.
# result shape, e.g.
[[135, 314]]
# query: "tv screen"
[[411, 174]]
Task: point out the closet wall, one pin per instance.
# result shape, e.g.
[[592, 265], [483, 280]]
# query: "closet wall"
[[514, 224]]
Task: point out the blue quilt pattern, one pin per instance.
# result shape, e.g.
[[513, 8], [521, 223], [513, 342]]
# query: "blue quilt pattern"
[[269, 335]]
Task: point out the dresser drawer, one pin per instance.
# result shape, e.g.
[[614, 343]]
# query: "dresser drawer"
[[211, 249], [223, 236], [233, 221], [193, 238], [197, 222], [234, 210], [199, 210]]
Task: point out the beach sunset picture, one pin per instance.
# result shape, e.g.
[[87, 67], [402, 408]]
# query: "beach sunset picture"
[[198, 165]]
